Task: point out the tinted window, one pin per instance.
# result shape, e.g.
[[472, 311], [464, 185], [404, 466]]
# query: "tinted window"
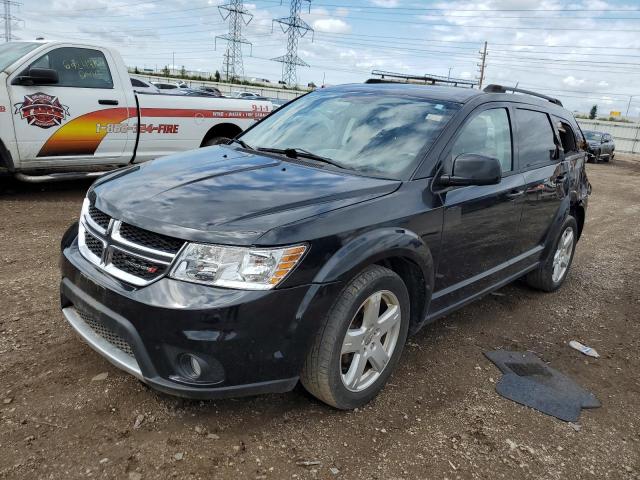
[[536, 140], [382, 134], [77, 67], [137, 83], [489, 134]]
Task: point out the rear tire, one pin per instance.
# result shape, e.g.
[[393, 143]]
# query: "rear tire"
[[361, 341], [550, 275]]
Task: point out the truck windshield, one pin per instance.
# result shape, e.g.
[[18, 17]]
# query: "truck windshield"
[[369, 132], [12, 51]]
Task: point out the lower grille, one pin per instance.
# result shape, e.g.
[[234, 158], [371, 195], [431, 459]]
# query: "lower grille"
[[109, 335]]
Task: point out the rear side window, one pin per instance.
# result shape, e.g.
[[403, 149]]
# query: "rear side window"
[[567, 136], [488, 134], [536, 140], [77, 67]]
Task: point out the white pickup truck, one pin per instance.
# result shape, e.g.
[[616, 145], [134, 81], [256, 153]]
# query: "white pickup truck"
[[69, 110]]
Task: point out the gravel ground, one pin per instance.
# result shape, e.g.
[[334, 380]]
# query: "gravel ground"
[[67, 413]]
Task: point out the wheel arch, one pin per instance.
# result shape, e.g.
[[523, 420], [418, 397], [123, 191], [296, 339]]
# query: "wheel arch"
[[399, 250], [6, 161], [228, 130]]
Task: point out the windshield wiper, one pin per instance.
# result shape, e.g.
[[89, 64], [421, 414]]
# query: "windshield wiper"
[[301, 153], [242, 143]]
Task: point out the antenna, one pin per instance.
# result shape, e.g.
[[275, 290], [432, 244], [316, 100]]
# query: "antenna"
[[295, 28], [8, 18], [235, 12]]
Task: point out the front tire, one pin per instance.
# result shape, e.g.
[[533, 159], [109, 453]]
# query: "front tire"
[[551, 274], [360, 344]]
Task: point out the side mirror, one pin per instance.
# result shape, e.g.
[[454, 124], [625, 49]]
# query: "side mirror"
[[604, 140], [37, 76], [472, 169]]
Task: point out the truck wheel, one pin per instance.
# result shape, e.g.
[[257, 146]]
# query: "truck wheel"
[[359, 346], [551, 274], [215, 141]]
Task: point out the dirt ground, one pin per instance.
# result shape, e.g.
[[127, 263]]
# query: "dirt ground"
[[439, 417]]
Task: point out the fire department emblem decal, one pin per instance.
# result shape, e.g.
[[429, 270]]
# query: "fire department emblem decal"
[[42, 110]]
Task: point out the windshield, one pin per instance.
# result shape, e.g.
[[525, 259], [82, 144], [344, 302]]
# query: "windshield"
[[369, 132], [595, 136], [12, 51]]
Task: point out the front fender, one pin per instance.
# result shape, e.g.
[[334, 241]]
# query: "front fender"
[[374, 247]]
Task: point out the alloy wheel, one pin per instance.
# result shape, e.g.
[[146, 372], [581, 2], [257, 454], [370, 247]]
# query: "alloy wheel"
[[562, 256], [370, 340]]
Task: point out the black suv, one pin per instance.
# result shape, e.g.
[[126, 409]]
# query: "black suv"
[[601, 146], [311, 246]]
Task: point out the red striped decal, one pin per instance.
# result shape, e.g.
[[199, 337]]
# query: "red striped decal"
[[182, 112]]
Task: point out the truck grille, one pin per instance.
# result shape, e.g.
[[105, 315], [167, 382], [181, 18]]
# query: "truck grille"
[[127, 252], [101, 218], [105, 332], [149, 239]]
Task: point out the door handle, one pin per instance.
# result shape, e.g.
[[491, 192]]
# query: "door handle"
[[108, 102]]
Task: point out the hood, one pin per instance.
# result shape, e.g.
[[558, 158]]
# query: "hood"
[[222, 195]]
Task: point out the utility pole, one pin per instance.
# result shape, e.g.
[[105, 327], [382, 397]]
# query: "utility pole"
[[449, 74], [237, 15], [482, 65], [629, 104], [8, 18], [295, 28], [173, 62]]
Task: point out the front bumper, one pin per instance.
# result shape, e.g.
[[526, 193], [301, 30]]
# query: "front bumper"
[[248, 342]]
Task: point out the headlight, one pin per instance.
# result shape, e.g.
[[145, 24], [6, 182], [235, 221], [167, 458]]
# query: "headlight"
[[236, 267]]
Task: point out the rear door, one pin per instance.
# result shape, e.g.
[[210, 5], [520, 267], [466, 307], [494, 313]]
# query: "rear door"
[[480, 222], [545, 169], [78, 120]]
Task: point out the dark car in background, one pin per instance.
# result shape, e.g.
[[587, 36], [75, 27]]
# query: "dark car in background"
[[310, 247], [601, 146]]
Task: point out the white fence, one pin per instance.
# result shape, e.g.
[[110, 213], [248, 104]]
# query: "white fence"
[[625, 135]]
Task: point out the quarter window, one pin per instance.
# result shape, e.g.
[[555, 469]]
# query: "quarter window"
[[77, 67], [488, 134], [536, 140]]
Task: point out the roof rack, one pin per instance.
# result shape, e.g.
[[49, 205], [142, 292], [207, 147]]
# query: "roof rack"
[[391, 77], [493, 88]]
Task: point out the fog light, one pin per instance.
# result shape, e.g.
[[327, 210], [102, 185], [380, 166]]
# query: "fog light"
[[191, 366]]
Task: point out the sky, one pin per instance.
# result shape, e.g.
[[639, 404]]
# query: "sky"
[[584, 52]]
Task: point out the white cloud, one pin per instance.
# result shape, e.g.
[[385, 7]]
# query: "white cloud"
[[386, 3], [572, 81], [331, 25]]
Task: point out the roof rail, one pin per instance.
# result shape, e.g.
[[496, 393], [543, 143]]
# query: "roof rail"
[[493, 88], [392, 77]]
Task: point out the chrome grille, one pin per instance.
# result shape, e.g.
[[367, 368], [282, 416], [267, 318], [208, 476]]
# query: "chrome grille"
[[149, 239], [94, 244], [101, 218], [127, 252], [105, 332]]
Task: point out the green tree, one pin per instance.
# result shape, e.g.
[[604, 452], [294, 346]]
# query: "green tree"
[[135, 70], [183, 72], [217, 76], [594, 112], [165, 71]]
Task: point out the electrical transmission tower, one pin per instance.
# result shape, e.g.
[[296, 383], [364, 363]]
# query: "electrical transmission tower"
[[295, 28], [237, 15], [8, 18]]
